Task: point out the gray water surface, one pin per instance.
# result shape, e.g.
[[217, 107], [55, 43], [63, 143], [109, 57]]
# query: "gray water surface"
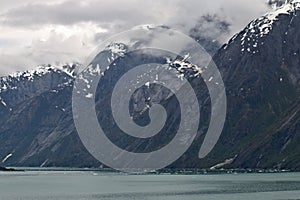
[[49, 185]]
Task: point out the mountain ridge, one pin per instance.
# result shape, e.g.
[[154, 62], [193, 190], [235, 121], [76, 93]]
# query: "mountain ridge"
[[260, 68]]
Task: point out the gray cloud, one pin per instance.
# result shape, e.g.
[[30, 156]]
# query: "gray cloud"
[[36, 32], [131, 12], [71, 12]]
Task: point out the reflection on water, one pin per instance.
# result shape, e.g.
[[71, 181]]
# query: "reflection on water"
[[114, 186]]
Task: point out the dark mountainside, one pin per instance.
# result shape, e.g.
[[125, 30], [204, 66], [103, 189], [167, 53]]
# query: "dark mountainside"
[[260, 68]]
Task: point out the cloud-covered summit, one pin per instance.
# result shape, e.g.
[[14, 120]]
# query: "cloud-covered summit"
[[36, 32]]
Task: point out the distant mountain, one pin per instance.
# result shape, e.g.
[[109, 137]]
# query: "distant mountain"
[[208, 31], [260, 68]]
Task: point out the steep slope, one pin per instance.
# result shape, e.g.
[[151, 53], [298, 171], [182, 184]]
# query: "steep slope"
[[261, 68]]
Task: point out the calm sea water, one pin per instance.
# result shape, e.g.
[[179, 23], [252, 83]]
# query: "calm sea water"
[[113, 186]]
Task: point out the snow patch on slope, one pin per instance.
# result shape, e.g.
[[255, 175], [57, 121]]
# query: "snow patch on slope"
[[7, 157], [184, 68], [117, 48], [226, 162]]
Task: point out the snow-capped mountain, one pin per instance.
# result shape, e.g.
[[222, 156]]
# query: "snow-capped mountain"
[[21, 86], [260, 68], [262, 26], [40, 103]]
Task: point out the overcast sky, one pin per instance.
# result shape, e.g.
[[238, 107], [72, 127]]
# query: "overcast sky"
[[37, 32]]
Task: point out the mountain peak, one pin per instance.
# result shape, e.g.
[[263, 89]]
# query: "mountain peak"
[[287, 8], [117, 48], [259, 28], [264, 24]]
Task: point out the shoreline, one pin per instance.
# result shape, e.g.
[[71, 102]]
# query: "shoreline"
[[153, 172]]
